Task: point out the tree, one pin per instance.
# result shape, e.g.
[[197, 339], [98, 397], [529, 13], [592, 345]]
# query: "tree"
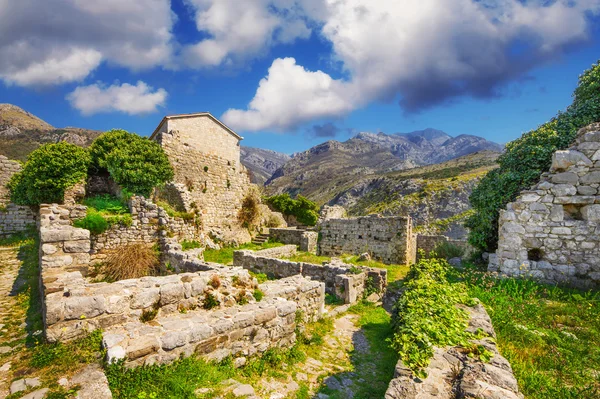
[[48, 172], [104, 144]]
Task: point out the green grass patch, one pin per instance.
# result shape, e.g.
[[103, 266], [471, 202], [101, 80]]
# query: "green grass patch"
[[17, 239], [550, 335], [103, 212], [187, 245], [224, 256], [187, 216], [106, 203]]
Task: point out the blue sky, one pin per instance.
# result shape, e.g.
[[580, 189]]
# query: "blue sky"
[[489, 68]]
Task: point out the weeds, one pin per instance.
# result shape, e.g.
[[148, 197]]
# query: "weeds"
[[132, 261]]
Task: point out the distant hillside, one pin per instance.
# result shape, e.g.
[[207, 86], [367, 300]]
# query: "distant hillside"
[[22, 132], [325, 170], [262, 163]]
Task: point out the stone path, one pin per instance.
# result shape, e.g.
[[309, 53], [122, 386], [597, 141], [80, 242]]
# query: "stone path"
[[330, 365], [12, 315]]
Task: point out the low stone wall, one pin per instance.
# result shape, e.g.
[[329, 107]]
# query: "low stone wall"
[[277, 252], [305, 240], [387, 239], [239, 332], [345, 281], [307, 294], [551, 231], [16, 219], [452, 373]]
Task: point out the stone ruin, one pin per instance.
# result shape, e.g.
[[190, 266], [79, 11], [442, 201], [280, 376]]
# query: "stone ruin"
[[552, 231]]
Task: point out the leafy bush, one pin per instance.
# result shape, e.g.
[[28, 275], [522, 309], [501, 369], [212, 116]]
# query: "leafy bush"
[[103, 212], [447, 250], [93, 221], [527, 157], [131, 261], [305, 210], [48, 172], [426, 314], [107, 203], [258, 295], [135, 163]]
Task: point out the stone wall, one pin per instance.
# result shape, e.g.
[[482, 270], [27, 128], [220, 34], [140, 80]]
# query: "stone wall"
[[387, 239], [16, 219], [332, 212], [552, 231], [452, 373], [305, 240], [284, 251], [209, 177], [7, 169], [345, 281]]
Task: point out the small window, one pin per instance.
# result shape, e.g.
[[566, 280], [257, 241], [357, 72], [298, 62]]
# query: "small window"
[[534, 254]]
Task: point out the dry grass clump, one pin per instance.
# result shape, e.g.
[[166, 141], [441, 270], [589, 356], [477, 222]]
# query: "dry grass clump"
[[249, 214], [132, 261], [215, 281]]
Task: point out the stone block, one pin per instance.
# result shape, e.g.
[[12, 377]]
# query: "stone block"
[[77, 246], [142, 346], [562, 160], [591, 213], [145, 298], [565, 178], [84, 307]]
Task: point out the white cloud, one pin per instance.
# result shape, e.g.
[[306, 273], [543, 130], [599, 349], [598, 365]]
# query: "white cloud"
[[59, 41], [126, 98], [421, 51], [241, 30], [291, 95]]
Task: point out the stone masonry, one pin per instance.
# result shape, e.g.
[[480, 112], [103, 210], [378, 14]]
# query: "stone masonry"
[[209, 176], [388, 239], [305, 240], [347, 282], [7, 169], [552, 232]]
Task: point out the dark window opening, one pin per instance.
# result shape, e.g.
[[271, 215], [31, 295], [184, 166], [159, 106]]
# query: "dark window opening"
[[534, 254]]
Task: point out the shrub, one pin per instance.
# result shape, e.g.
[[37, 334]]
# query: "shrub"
[[447, 250], [135, 163], [305, 210], [258, 295], [132, 261], [527, 157], [210, 301], [48, 172], [426, 314], [248, 214], [107, 203], [93, 221], [215, 281]]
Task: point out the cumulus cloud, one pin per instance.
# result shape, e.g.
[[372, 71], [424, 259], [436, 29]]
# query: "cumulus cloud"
[[59, 41], [290, 95], [423, 52], [241, 30], [126, 98]]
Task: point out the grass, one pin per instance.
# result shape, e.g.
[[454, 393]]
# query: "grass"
[[103, 212], [224, 256], [35, 356], [188, 244], [180, 379], [550, 335], [172, 212], [107, 204]]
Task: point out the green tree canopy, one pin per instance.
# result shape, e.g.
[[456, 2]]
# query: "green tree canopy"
[[305, 210], [48, 172], [527, 157]]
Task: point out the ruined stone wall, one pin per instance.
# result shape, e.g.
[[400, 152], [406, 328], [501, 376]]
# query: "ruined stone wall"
[[387, 239], [305, 240], [213, 182], [552, 232], [277, 252], [15, 219], [343, 280], [7, 169]]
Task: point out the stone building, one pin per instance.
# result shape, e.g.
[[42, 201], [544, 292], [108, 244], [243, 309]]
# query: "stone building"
[[209, 177], [552, 231]]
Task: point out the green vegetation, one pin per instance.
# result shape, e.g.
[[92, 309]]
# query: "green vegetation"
[[550, 335], [426, 314], [305, 210], [447, 250], [249, 212], [224, 256], [187, 216], [527, 157], [48, 173], [258, 295], [181, 378], [103, 212], [187, 245]]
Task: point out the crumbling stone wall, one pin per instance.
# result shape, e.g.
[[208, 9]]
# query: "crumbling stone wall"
[[208, 173], [347, 282], [7, 169], [305, 240], [387, 239], [16, 219], [332, 212], [552, 232]]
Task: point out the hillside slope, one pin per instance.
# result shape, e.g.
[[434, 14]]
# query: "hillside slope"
[[22, 132], [262, 163]]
